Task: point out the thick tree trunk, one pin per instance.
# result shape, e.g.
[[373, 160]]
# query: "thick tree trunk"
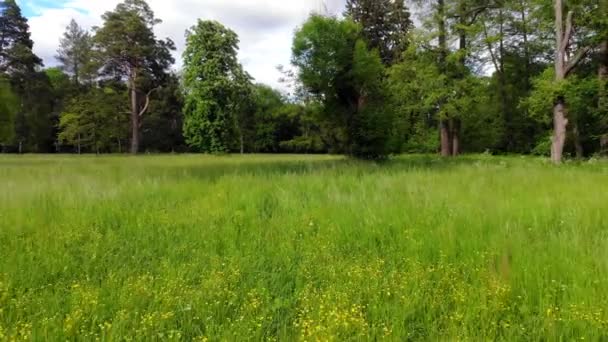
[[446, 139], [560, 126], [134, 120], [560, 121]]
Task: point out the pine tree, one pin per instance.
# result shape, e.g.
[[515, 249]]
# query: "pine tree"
[[74, 52], [129, 49], [385, 25], [16, 55]]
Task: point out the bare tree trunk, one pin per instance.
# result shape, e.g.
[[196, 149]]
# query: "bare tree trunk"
[[79, 149], [446, 139], [563, 66], [560, 126], [134, 119], [20, 147]]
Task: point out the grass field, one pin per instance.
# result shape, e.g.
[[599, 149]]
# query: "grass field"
[[302, 248]]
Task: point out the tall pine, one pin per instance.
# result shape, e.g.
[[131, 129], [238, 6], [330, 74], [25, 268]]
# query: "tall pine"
[[75, 53], [16, 45], [33, 122], [128, 46]]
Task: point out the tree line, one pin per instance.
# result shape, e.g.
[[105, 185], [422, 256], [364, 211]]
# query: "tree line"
[[503, 76]]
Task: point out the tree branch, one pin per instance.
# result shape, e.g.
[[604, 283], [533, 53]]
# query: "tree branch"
[[145, 109], [576, 60], [568, 34], [490, 48]]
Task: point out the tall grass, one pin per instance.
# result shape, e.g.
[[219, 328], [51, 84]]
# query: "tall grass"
[[302, 248]]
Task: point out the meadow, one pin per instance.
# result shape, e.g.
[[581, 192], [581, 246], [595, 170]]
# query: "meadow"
[[309, 248]]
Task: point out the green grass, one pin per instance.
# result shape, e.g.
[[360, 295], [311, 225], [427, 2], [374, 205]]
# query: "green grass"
[[302, 248]]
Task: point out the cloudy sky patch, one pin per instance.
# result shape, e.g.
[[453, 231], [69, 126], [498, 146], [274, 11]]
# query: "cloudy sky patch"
[[265, 27]]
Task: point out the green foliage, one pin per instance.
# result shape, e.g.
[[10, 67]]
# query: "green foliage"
[[9, 105], [385, 25], [128, 49], [323, 53], [95, 121], [335, 65], [541, 101], [416, 87], [162, 129], [16, 56], [371, 125], [75, 53], [127, 45], [213, 83], [36, 119]]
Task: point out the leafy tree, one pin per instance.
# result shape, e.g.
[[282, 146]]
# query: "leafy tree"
[[95, 121], [214, 82], [336, 67], [128, 48], [385, 25]]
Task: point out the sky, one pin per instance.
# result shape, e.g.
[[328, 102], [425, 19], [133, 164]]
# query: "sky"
[[265, 27]]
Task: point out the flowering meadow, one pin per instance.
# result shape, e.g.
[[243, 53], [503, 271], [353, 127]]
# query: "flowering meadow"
[[309, 248]]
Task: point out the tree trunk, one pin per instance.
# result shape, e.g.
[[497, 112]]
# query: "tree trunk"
[[603, 69], [604, 145], [524, 28], [560, 126], [456, 127], [455, 123], [560, 121], [79, 149], [506, 112], [134, 119], [242, 142], [444, 124], [446, 139]]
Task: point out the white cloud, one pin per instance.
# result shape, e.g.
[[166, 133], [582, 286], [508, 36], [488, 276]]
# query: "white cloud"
[[265, 27]]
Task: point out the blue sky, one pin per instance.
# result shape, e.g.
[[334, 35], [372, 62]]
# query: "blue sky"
[[34, 7]]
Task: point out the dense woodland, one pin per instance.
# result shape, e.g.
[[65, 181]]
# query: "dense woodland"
[[498, 76]]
